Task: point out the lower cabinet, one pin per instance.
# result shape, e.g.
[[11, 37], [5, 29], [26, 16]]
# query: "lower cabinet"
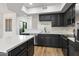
[[30, 47], [72, 50], [77, 48], [49, 40], [64, 45], [31, 51], [23, 53], [26, 49], [52, 40]]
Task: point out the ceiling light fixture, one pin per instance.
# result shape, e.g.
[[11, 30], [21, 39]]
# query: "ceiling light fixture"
[[30, 3]]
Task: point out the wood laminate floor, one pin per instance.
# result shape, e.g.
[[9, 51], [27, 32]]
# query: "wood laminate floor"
[[47, 51]]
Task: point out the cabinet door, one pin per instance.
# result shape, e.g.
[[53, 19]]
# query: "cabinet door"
[[30, 47], [41, 40], [65, 45], [41, 17], [53, 41], [54, 19], [70, 12], [31, 42], [44, 17], [61, 20], [14, 52], [23, 53], [31, 51], [65, 19], [73, 14], [71, 47], [47, 18], [71, 50], [60, 42]]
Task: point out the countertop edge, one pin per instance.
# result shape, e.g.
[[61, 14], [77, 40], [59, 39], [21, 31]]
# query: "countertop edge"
[[16, 45]]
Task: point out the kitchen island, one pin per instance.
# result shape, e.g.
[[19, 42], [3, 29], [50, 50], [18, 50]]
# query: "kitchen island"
[[13, 47]]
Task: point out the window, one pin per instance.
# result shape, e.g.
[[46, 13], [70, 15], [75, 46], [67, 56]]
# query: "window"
[[23, 26], [8, 25]]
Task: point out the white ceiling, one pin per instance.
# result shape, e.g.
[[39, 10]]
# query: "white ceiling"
[[41, 4], [17, 7]]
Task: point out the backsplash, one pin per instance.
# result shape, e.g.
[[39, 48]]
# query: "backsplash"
[[48, 27], [43, 25]]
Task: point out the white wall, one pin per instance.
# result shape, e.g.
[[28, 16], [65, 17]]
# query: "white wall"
[[76, 17], [12, 34], [7, 14], [27, 19], [1, 26], [35, 21]]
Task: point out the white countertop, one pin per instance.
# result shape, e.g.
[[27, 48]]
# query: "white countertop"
[[53, 32], [71, 38], [8, 44], [32, 31]]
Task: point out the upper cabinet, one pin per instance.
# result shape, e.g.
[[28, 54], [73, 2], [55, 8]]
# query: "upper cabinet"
[[57, 19], [54, 19], [60, 19], [69, 15], [44, 17]]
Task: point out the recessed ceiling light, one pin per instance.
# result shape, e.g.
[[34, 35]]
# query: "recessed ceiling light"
[[30, 3]]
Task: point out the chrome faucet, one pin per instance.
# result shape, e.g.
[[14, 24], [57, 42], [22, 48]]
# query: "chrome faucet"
[[45, 29]]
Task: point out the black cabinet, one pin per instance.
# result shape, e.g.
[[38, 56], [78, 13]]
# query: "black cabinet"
[[25, 49], [77, 48], [64, 45], [69, 15], [42, 40], [71, 47], [31, 51], [57, 19], [49, 40], [22, 53], [60, 19], [71, 50], [54, 19], [44, 17], [31, 47]]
